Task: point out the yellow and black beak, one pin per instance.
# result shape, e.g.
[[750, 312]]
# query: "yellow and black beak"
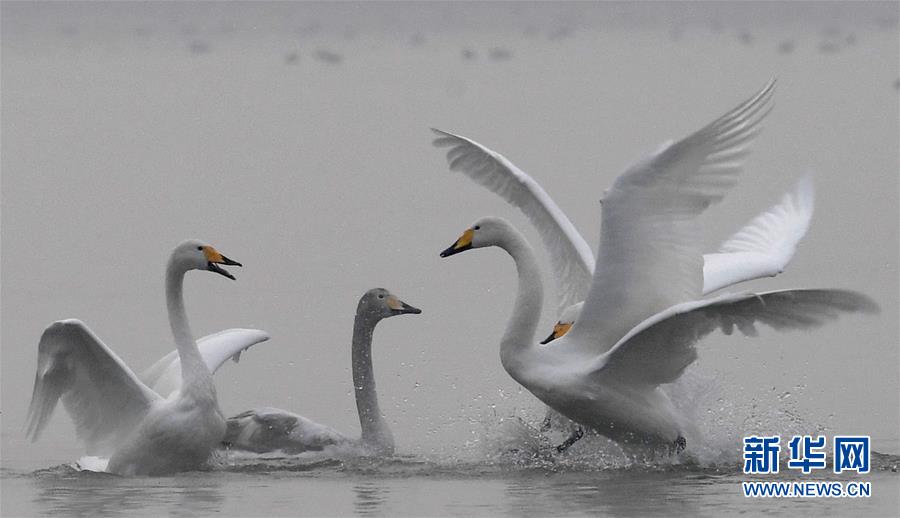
[[558, 331], [461, 245], [214, 258], [398, 307]]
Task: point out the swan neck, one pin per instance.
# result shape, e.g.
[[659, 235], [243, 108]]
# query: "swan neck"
[[518, 342], [195, 376], [375, 430]]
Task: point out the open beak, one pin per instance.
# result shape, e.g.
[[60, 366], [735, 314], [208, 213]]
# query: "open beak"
[[461, 245], [398, 307], [559, 330], [214, 258]]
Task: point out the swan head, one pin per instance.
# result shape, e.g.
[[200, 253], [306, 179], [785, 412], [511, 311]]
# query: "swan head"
[[194, 254], [488, 231], [565, 322], [384, 304]]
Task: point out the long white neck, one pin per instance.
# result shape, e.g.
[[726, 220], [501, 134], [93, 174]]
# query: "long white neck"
[[518, 344], [196, 381], [375, 430]]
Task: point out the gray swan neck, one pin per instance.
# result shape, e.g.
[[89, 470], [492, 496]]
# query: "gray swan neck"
[[375, 431]]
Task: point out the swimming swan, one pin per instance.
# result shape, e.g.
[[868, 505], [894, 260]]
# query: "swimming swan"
[[269, 429], [762, 248], [643, 315], [119, 416]]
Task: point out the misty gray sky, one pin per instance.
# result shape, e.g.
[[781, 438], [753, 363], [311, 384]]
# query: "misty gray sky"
[[129, 127]]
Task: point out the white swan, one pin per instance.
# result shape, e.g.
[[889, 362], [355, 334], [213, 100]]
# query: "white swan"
[[269, 429], [120, 417], [761, 249], [642, 317]]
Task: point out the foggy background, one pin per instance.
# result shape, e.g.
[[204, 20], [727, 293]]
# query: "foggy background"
[[294, 138]]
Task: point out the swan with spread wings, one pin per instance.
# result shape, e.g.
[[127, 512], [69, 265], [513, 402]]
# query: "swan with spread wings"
[[762, 248], [643, 313], [165, 421]]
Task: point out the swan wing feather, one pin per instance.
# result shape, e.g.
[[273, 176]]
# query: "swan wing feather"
[[765, 245], [660, 348], [570, 256], [164, 376], [649, 257], [104, 398]]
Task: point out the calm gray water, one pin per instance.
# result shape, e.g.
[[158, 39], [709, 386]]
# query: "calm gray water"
[[415, 487], [294, 137]]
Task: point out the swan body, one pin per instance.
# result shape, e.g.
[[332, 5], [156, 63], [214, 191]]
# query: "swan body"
[[616, 391], [643, 313], [269, 429], [116, 414]]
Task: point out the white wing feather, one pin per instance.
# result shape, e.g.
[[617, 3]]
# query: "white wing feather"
[[164, 376], [102, 395], [660, 348], [762, 248], [765, 245], [570, 255], [649, 257]]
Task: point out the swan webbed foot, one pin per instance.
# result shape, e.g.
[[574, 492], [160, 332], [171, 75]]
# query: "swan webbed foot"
[[577, 434], [680, 444]]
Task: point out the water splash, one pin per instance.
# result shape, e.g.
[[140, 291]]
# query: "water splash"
[[91, 463]]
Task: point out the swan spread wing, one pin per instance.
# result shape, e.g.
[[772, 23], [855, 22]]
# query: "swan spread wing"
[[650, 256], [660, 348], [268, 429], [762, 248], [765, 245], [164, 376], [570, 256], [103, 396]]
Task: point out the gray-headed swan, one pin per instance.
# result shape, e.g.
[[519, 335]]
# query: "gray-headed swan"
[[269, 429]]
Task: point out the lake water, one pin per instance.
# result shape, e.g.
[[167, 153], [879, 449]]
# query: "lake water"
[[295, 137], [413, 486]]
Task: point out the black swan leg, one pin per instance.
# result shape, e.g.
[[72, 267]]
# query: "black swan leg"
[[577, 434]]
